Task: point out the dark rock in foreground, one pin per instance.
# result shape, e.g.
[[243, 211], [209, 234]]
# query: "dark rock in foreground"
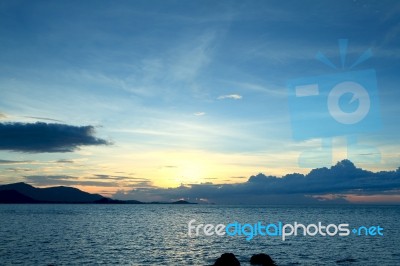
[[227, 259], [262, 259]]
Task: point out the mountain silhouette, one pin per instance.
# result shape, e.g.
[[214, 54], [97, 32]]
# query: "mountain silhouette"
[[13, 196], [24, 193]]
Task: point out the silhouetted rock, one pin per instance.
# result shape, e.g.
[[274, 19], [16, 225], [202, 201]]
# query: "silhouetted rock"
[[114, 201], [262, 259], [134, 202], [108, 201], [227, 259], [182, 202], [172, 202]]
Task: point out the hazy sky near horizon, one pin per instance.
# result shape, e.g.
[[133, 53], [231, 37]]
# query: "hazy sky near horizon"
[[144, 94]]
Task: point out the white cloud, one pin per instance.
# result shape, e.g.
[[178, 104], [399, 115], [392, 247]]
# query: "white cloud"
[[271, 89], [230, 96], [199, 113]]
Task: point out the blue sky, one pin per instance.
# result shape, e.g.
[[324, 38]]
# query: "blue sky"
[[186, 92]]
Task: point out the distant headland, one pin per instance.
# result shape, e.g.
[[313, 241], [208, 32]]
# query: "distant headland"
[[20, 193]]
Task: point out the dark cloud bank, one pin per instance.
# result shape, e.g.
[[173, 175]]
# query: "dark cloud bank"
[[336, 181], [46, 137]]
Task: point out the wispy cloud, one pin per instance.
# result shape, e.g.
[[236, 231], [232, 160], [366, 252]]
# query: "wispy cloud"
[[278, 91], [65, 161], [18, 169], [193, 56], [169, 166], [98, 180], [199, 113], [163, 75], [65, 180], [14, 162], [230, 96], [43, 118]]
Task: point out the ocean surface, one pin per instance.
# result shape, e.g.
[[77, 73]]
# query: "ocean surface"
[[158, 235]]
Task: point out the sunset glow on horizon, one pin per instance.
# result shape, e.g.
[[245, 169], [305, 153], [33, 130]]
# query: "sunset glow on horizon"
[[140, 101]]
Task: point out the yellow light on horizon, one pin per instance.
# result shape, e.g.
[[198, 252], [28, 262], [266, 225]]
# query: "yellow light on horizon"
[[192, 171]]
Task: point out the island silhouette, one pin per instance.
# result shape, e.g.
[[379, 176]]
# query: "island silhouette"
[[24, 193]]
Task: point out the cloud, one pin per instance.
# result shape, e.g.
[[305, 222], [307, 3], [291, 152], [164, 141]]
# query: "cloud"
[[98, 180], [230, 96], [199, 113], [18, 169], [193, 55], [14, 162], [64, 180], [46, 137], [336, 182], [270, 89], [117, 177], [43, 118], [2, 116], [169, 166], [64, 161]]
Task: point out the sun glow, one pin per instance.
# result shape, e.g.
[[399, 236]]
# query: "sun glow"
[[192, 171]]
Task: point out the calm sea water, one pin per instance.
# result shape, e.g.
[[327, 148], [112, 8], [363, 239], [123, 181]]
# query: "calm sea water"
[[157, 235]]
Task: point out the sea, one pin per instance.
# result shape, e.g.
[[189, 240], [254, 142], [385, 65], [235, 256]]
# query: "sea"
[[157, 234]]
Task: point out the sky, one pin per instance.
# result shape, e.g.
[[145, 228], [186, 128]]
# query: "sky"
[[135, 99]]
